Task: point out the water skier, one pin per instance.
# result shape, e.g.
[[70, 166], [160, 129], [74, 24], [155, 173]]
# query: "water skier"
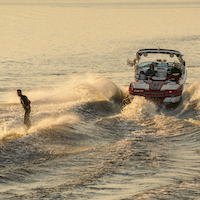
[[27, 108]]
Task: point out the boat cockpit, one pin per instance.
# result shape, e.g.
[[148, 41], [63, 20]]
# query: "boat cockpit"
[[161, 67]]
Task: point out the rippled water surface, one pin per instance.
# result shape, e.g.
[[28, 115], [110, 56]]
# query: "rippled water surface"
[[69, 58]]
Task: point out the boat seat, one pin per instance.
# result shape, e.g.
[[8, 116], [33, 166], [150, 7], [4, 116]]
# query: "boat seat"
[[142, 76], [161, 73], [174, 76]]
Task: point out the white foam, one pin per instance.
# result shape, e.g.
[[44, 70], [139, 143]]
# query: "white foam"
[[139, 108]]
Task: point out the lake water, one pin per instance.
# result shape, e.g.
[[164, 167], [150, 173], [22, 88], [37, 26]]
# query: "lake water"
[[69, 58]]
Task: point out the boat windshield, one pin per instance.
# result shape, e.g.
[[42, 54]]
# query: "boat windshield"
[[156, 64], [144, 66]]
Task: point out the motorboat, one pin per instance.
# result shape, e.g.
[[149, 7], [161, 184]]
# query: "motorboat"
[[165, 85]]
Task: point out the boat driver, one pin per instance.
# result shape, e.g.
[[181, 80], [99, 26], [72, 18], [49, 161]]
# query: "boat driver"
[[151, 71]]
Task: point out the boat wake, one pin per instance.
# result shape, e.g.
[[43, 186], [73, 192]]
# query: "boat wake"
[[60, 105], [92, 136], [190, 104]]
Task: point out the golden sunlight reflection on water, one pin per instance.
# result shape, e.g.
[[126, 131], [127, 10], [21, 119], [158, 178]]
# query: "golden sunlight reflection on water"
[[37, 29]]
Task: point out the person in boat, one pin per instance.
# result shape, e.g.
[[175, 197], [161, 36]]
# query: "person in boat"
[[151, 71], [175, 69], [27, 108], [174, 73]]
